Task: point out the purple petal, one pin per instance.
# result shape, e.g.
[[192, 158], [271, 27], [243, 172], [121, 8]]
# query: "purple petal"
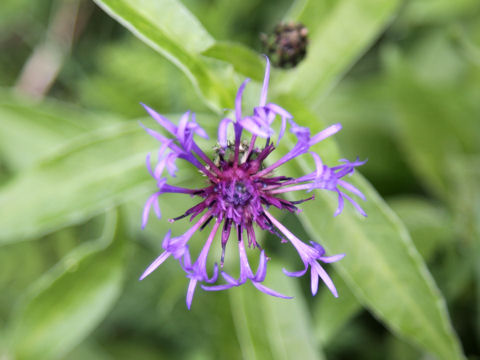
[[156, 208], [238, 100], [171, 167], [191, 290], [217, 287], [163, 121], [166, 239], [351, 188], [159, 168], [282, 129], [314, 281], [355, 204], [155, 264], [182, 128], [262, 268], [279, 110], [154, 134], [331, 259], [295, 273], [222, 132], [320, 249], [322, 135], [263, 95], [197, 128], [324, 276], [146, 208], [270, 292], [230, 279], [252, 126], [187, 261], [149, 165], [214, 275], [340, 204], [318, 164]]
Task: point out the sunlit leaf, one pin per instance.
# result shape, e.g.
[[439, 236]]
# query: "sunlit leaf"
[[244, 60], [169, 28]]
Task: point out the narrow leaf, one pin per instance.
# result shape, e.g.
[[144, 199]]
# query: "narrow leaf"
[[30, 130], [381, 266], [87, 175], [273, 328], [169, 28], [245, 61]]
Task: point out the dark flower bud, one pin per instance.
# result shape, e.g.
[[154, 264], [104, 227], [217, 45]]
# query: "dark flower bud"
[[287, 46]]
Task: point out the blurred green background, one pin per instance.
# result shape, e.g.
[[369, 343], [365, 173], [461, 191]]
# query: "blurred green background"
[[403, 78]]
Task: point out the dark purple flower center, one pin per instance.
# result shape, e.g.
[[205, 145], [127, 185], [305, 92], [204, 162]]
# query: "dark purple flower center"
[[236, 193]]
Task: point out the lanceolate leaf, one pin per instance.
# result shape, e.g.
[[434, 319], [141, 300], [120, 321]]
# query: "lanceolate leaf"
[[273, 328], [331, 315], [30, 130], [66, 304], [382, 266], [87, 175], [244, 60], [430, 228], [169, 28]]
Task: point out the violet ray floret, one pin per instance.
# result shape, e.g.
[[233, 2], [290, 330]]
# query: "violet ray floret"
[[238, 189], [246, 273], [260, 122]]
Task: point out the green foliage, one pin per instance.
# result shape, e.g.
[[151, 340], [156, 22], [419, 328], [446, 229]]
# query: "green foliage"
[[272, 328], [169, 28], [345, 30], [78, 291], [401, 77], [389, 277]]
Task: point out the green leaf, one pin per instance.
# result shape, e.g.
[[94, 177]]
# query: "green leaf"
[[169, 28], [382, 266], [437, 11], [91, 173], [430, 226], [343, 33], [244, 60], [431, 136], [331, 314], [155, 81], [68, 302], [273, 328], [30, 130]]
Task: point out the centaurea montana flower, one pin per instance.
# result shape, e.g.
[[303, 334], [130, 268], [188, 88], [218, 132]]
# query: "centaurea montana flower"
[[240, 189]]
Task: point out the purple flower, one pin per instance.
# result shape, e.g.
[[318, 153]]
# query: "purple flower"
[[239, 191]]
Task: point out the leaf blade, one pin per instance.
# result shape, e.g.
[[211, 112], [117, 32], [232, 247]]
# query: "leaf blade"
[[380, 255], [67, 303], [345, 31], [184, 53]]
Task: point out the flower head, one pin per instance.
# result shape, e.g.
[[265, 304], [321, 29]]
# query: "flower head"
[[239, 191]]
